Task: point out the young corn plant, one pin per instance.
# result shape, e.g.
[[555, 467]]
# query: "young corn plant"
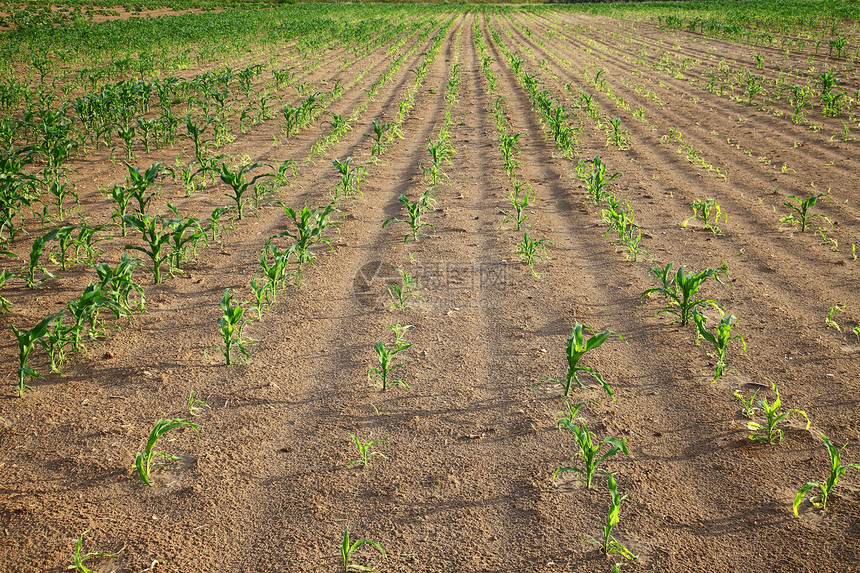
[[680, 290], [145, 460], [231, 326], [5, 303], [709, 212], [531, 250], [769, 432], [828, 320], [27, 341], [621, 218], [802, 216], [122, 198], [402, 294], [238, 183], [186, 233], [520, 211], [749, 408], [275, 271], [364, 453], [78, 557], [837, 469], [36, 252], [378, 139], [347, 549], [118, 283], [195, 405], [507, 145], [386, 368], [616, 136], [589, 450], [608, 543], [440, 153], [596, 180], [719, 339], [575, 348], [310, 226], [262, 295], [351, 178], [137, 184], [58, 340], [565, 418], [157, 240], [399, 332], [65, 240], [415, 211], [85, 311]]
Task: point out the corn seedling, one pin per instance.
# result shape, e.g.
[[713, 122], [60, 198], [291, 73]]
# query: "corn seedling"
[[769, 433], [350, 179], [276, 270], [64, 243], [719, 339], [310, 226], [530, 250], [596, 180], [5, 303], [238, 183], [415, 211], [709, 212], [231, 326], [27, 340], [214, 225], [118, 283], [608, 544], [401, 294], [195, 405], [61, 192], [36, 251], [507, 145], [575, 348], [378, 138], [589, 451], [347, 549], [137, 184], [364, 453], [828, 320], [386, 368], [196, 133], [621, 218], [565, 418], [122, 198], [262, 295], [837, 469], [616, 136], [85, 310], [157, 240], [399, 332], [802, 209], [440, 152], [749, 408], [753, 86], [520, 213], [78, 557], [145, 460], [681, 288]]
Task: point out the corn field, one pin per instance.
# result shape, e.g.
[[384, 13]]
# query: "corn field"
[[431, 284]]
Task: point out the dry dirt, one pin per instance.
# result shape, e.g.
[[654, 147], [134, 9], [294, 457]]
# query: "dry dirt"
[[470, 447]]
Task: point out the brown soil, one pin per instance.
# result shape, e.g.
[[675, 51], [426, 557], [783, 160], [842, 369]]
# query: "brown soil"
[[471, 446]]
